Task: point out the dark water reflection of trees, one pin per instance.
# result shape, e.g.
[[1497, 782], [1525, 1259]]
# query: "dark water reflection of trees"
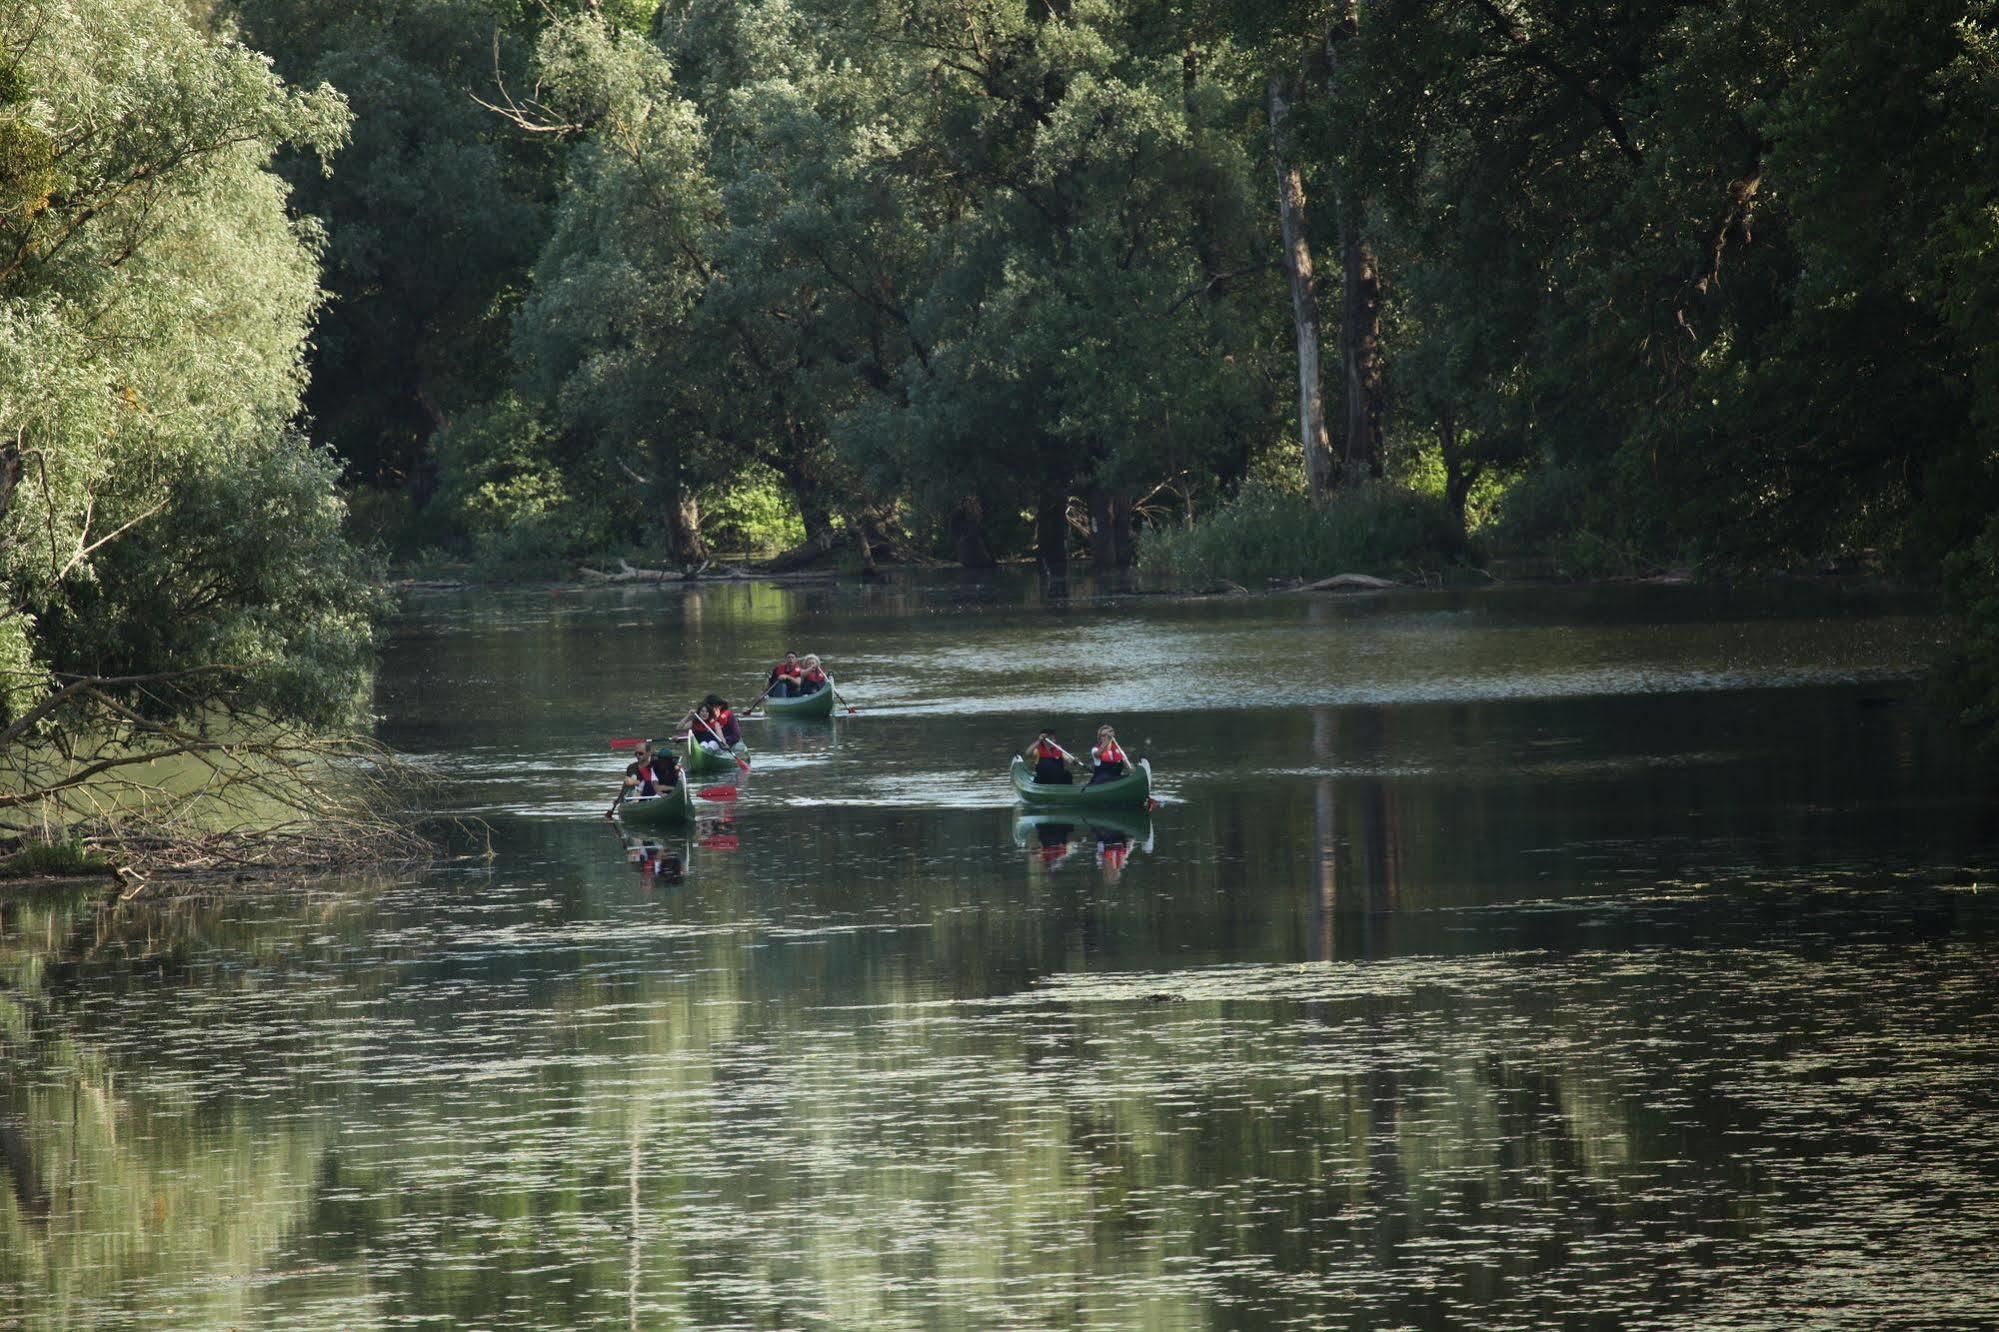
[[1500, 1012]]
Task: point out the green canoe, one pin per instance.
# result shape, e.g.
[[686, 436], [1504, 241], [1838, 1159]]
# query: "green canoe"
[[697, 759], [657, 811], [1130, 791], [817, 704]]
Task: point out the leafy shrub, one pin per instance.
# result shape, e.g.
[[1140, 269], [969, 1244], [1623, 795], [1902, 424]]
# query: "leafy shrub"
[[1540, 510], [751, 514], [1271, 532], [503, 481], [38, 857], [391, 520]]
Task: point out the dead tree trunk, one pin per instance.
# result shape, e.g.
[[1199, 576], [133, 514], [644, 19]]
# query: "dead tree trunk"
[[1297, 253], [1110, 528]]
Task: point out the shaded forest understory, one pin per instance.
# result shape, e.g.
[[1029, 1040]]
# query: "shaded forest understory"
[[1230, 288]]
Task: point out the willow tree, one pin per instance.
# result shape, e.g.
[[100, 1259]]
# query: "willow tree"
[[174, 577]]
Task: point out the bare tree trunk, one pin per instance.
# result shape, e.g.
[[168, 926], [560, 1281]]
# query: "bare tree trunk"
[[1110, 528], [1297, 251], [1051, 532], [861, 521], [683, 525]]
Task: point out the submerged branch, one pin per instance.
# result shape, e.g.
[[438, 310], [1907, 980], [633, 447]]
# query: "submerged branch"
[[230, 789]]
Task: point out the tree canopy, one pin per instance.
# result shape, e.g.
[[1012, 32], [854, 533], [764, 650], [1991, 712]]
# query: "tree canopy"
[[171, 545]]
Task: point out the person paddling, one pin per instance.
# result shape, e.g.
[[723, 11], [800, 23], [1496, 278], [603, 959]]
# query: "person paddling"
[[811, 677], [1107, 760], [1050, 761], [721, 731], [785, 677], [641, 777]]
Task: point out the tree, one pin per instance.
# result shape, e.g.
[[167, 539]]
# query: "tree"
[[170, 549]]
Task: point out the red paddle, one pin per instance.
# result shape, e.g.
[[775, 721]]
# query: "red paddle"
[[720, 795]]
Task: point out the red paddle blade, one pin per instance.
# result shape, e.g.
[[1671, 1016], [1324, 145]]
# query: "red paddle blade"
[[627, 742], [720, 795]]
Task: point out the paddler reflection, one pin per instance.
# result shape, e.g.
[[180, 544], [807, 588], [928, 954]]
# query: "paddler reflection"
[[656, 861], [1103, 838]]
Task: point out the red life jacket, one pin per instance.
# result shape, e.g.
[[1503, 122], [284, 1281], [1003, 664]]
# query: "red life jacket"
[[1044, 749], [787, 670], [1110, 753], [815, 676]]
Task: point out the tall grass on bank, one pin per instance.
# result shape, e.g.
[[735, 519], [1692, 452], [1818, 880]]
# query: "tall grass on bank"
[[1270, 533]]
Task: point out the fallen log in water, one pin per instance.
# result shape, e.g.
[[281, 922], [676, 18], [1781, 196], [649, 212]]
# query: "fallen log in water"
[[1350, 582], [627, 574]]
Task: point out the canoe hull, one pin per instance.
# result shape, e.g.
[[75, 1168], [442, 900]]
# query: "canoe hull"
[[697, 759], [811, 707], [1131, 791], [660, 811]]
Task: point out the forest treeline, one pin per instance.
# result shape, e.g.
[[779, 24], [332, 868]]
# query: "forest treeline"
[[1234, 287], [996, 278]]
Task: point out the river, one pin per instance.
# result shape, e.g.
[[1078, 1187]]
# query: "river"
[[1595, 957]]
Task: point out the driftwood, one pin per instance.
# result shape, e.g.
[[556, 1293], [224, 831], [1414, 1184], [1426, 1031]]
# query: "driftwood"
[[627, 574], [1350, 582]]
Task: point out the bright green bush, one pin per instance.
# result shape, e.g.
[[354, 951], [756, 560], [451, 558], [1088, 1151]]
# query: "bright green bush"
[[1272, 533], [751, 514]]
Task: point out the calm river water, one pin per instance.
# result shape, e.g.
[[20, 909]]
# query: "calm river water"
[[1501, 959]]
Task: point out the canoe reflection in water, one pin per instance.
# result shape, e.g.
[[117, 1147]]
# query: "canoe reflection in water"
[[1107, 837], [665, 860], [656, 861]]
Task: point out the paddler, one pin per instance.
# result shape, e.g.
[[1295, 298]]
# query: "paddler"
[[1050, 761], [811, 676], [720, 722], [1107, 760], [641, 778], [785, 678]]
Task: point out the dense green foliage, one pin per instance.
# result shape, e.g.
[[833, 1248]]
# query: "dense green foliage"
[[1679, 283], [159, 515], [1684, 282]]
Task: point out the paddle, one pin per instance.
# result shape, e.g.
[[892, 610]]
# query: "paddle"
[[1066, 754], [768, 686], [851, 709], [714, 795]]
